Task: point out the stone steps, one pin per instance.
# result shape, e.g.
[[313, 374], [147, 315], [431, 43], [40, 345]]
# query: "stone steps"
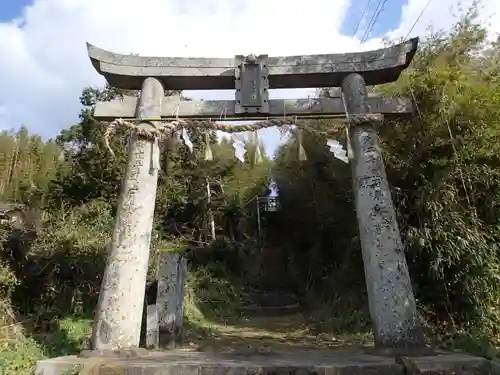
[[269, 310], [274, 303], [302, 362]]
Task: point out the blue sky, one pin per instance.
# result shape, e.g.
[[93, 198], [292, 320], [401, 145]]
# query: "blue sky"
[[388, 19], [10, 9]]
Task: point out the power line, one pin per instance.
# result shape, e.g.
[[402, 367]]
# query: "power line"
[[374, 19], [369, 23], [361, 18], [418, 19]]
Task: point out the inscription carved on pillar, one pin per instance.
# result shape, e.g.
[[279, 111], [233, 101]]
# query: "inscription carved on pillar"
[[121, 300], [392, 304]]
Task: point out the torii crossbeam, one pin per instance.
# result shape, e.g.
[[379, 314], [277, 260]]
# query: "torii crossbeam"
[[284, 72], [252, 77]]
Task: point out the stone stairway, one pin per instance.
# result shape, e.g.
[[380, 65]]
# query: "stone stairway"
[[269, 303]]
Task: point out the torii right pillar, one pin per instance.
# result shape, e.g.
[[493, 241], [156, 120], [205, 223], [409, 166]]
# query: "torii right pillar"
[[390, 296]]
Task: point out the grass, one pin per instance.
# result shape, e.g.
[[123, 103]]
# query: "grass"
[[71, 335], [19, 355], [339, 322], [269, 333], [257, 334]]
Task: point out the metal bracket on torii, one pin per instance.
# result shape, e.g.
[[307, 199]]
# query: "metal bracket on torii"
[[252, 77], [251, 84]]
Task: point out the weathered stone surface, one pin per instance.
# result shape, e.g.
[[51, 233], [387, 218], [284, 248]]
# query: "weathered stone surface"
[[391, 301], [152, 327], [172, 275], [115, 354], [181, 73], [495, 367], [317, 362], [215, 109], [120, 307], [312, 362], [447, 364], [415, 351]]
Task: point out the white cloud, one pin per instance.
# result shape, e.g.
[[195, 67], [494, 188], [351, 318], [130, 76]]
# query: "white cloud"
[[44, 64], [47, 66], [439, 14]]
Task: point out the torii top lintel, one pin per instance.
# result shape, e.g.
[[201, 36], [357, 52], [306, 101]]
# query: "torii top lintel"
[[308, 71]]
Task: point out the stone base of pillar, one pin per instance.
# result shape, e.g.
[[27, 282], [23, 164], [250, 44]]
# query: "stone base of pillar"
[[402, 352], [339, 361]]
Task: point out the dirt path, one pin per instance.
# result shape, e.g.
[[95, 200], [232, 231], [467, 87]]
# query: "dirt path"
[[268, 333]]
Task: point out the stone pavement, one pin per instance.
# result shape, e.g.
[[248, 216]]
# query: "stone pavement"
[[243, 362]]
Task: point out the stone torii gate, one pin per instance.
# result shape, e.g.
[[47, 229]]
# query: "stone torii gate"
[[391, 300]]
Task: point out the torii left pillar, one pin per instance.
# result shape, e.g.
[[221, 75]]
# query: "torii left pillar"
[[121, 300]]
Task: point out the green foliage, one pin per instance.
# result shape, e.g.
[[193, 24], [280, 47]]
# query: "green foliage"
[[321, 242], [27, 165], [209, 295], [60, 271], [68, 337], [448, 175]]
